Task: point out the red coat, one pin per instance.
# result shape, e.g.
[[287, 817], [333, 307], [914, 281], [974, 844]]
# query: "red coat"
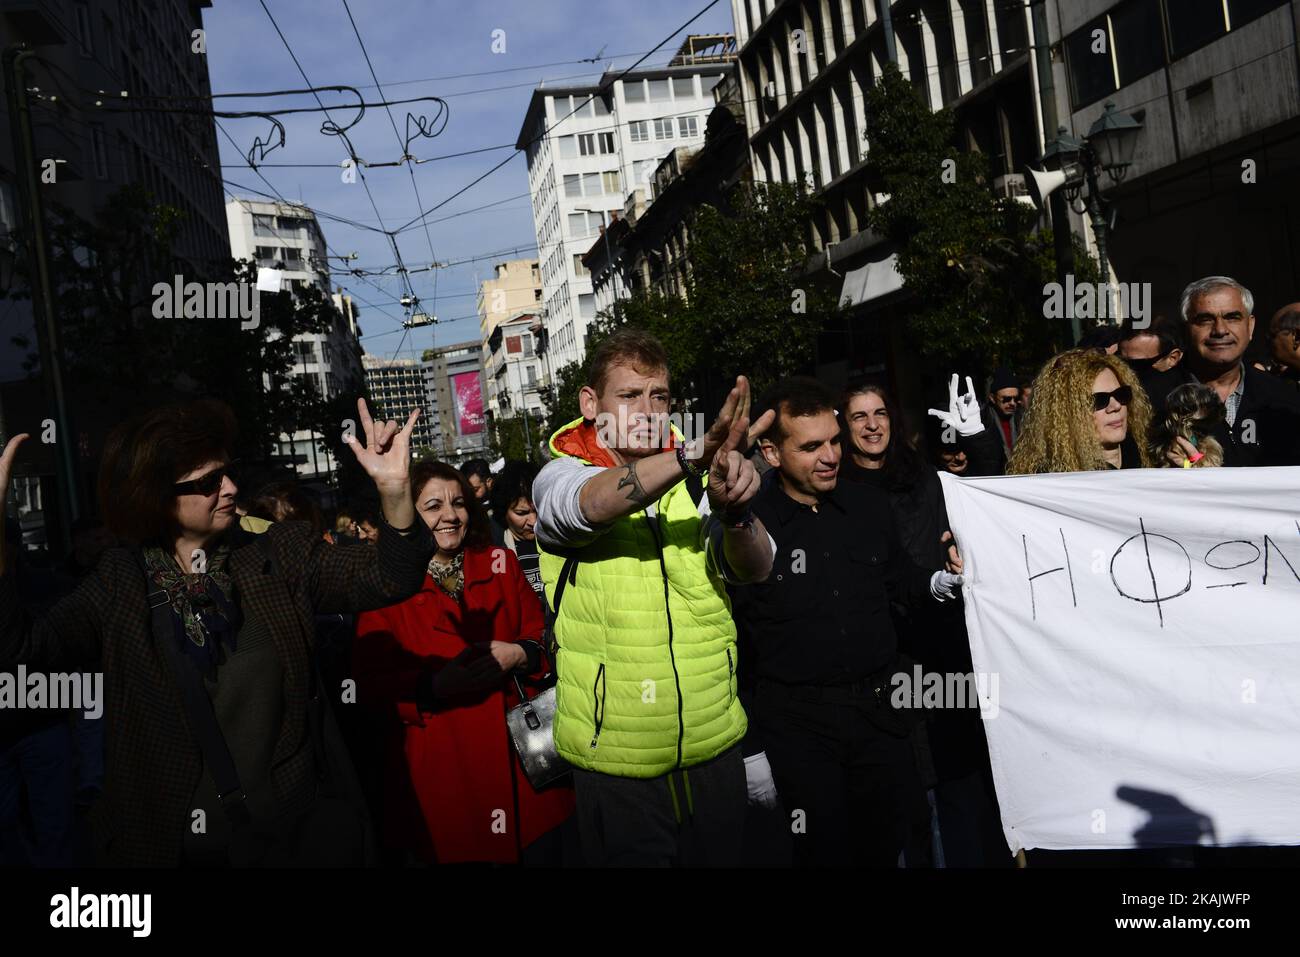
[[450, 777]]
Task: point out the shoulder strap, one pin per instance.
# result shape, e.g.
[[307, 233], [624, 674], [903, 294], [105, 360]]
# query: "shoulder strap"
[[695, 486], [568, 576], [198, 706]]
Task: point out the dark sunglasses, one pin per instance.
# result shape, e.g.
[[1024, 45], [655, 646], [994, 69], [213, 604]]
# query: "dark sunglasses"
[[1123, 395], [208, 483]]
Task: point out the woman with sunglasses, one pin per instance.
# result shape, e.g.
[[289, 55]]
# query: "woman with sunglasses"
[[1089, 413], [201, 631], [437, 669]]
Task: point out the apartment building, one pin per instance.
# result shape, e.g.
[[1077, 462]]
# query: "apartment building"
[[588, 146]]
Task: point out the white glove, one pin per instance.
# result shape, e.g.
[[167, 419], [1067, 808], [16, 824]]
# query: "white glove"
[[758, 781], [945, 586], [963, 413]]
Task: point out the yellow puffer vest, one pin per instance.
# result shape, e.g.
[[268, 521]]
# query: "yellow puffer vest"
[[647, 645]]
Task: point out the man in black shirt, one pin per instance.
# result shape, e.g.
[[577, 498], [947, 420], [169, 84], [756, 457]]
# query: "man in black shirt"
[[1262, 421], [821, 644]]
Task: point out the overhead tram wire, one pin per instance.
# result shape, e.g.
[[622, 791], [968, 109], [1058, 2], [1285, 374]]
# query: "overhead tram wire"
[[424, 213], [406, 156], [275, 193], [392, 238]]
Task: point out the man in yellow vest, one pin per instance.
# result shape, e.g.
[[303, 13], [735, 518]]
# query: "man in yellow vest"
[[639, 532]]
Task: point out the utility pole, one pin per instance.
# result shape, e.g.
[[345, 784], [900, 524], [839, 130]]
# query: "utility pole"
[[1062, 234], [29, 203]]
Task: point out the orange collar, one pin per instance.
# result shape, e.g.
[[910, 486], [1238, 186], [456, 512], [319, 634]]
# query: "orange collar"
[[583, 442]]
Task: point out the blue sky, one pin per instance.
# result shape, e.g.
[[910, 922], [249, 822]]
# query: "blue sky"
[[417, 40]]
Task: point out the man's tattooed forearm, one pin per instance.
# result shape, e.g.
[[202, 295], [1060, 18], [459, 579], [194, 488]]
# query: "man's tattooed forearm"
[[635, 493]]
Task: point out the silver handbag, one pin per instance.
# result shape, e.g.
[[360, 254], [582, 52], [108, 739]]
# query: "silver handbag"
[[532, 729]]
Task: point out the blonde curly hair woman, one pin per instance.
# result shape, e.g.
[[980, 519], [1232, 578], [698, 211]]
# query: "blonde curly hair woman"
[[1089, 413]]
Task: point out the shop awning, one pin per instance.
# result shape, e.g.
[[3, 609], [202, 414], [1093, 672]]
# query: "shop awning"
[[871, 281]]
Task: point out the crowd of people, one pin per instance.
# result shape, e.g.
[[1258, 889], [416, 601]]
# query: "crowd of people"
[[287, 686]]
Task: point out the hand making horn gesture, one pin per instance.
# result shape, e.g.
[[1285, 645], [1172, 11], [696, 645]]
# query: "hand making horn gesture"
[[733, 480], [386, 456]]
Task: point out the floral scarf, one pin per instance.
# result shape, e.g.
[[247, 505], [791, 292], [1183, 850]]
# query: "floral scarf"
[[200, 601], [450, 576]]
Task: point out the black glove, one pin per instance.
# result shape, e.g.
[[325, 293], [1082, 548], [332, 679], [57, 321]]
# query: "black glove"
[[474, 669]]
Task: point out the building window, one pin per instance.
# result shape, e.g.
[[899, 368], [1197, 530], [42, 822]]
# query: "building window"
[[1194, 23], [606, 142], [1241, 12], [587, 144], [98, 151], [684, 87], [659, 91], [263, 225], [1137, 36], [634, 91], [578, 267], [587, 306], [513, 345], [639, 130], [610, 182], [591, 184], [568, 147], [664, 129], [85, 37], [264, 254], [572, 184], [1092, 75], [687, 126]]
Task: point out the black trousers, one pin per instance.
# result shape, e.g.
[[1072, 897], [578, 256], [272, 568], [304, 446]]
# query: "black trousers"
[[850, 789], [693, 817]]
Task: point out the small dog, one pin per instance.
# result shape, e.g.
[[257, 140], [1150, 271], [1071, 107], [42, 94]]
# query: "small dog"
[[1192, 411]]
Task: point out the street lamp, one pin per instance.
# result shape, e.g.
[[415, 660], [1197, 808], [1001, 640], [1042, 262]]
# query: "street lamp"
[[1072, 164], [1113, 139]]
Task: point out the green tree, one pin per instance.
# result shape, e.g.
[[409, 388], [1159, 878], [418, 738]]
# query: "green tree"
[[513, 438], [972, 261]]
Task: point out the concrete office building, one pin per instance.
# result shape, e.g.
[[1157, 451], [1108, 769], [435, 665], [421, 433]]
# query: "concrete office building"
[[648, 248], [514, 291], [580, 172], [804, 67], [287, 238], [513, 371], [453, 383], [397, 386], [1213, 184], [145, 48]]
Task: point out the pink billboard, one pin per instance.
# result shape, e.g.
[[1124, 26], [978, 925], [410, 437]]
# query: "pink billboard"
[[469, 402]]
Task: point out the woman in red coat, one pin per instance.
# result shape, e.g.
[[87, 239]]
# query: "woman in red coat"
[[437, 667]]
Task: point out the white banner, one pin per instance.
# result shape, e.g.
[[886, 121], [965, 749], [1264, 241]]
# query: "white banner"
[[1144, 628]]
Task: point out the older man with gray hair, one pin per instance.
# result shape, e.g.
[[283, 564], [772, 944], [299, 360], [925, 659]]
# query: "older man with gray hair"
[[1262, 425]]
